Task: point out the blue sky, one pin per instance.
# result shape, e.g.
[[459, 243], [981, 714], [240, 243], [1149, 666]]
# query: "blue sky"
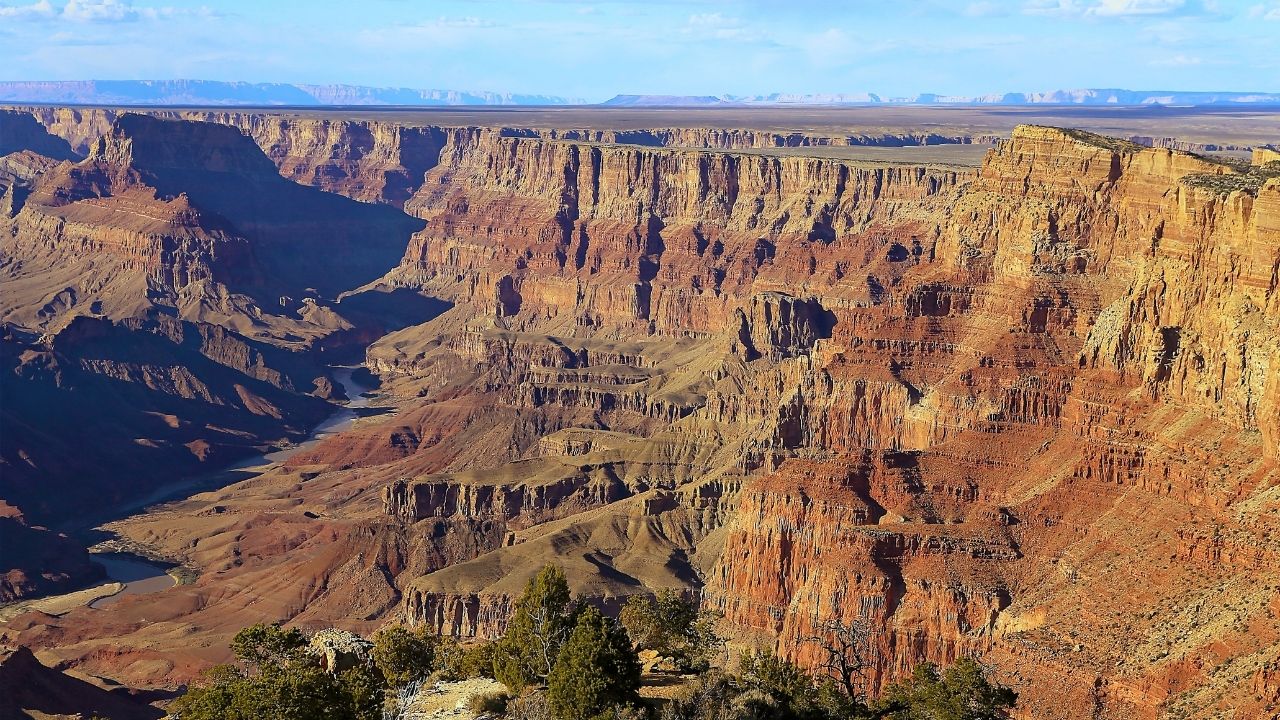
[[593, 50]]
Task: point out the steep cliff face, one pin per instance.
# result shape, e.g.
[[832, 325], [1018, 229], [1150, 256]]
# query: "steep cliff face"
[[1027, 412], [369, 161], [194, 217], [640, 239], [386, 161], [1106, 318], [996, 368], [20, 131]]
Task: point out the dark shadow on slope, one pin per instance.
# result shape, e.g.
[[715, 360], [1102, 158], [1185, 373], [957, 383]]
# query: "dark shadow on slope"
[[305, 239], [21, 131]]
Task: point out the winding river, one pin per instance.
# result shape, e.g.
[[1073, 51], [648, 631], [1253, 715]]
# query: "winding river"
[[139, 575]]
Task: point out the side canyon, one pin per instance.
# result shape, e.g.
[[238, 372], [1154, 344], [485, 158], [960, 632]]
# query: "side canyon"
[[1027, 411]]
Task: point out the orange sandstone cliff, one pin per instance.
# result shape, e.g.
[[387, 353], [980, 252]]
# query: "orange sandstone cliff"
[[1029, 412]]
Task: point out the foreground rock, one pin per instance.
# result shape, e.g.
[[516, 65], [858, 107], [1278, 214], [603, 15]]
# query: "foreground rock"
[[437, 701]]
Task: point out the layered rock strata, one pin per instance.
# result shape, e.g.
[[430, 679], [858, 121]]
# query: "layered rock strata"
[[1027, 412]]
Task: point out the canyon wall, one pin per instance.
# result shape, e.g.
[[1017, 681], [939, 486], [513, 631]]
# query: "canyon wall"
[[386, 160], [990, 369], [1028, 412]]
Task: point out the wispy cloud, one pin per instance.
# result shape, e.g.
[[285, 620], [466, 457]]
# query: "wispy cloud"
[[1132, 8], [1178, 60], [96, 11], [984, 9], [1120, 8], [1268, 11], [42, 9]]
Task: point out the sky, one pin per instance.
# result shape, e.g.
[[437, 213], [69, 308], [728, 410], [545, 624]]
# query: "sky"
[[592, 50]]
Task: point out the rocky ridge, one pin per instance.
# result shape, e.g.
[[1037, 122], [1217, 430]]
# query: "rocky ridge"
[[1008, 335], [1025, 412]]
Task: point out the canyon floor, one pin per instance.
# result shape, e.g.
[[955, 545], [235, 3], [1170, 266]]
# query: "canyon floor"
[[990, 386]]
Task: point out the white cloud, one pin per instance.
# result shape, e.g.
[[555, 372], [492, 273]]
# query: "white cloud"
[[1053, 7], [1129, 8], [983, 8], [1113, 8], [1269, 11], [1177, 61], [99, 11], [42, 9], [96, 11], [721, 27]]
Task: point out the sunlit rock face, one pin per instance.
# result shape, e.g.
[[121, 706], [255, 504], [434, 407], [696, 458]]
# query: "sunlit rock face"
[[1028, 412]]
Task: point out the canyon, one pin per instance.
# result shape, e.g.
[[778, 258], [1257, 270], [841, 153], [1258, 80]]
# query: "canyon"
[[1026, 410]]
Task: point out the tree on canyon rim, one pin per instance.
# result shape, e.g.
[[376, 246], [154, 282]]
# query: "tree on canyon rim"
[[596, 670], [275, 676], [544, 616], [672, 626]]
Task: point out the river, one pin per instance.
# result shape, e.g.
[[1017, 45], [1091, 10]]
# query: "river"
[[140, 575]]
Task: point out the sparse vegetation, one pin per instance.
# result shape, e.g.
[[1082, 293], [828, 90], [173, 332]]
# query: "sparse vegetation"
[[672, 626], [403, 655], [1250, 179], [490, 703], [961, 692], [274, 676], [455, 661], [771, 688], [1102, 141], [563, 660]]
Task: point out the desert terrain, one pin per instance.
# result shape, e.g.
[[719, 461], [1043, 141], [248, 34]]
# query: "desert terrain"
[[1001, 382]]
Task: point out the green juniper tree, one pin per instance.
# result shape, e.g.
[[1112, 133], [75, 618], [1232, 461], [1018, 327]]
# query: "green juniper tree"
[[596, 670], [275, 677], [404, 656], [961, 692], [542, 621]]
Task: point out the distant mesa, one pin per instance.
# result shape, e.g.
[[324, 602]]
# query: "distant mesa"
[[211, 92], [218, 93], [664, 100], [1052, 97]]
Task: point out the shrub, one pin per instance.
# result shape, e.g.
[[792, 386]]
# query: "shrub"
[[494, 703], [268, 645], [404, 656], [624, 712], [530, 705], [596, 670], [709, 697], [449, 654], [477, 660], [277, 678], [364, 688], [961, 692], [672, 625]]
